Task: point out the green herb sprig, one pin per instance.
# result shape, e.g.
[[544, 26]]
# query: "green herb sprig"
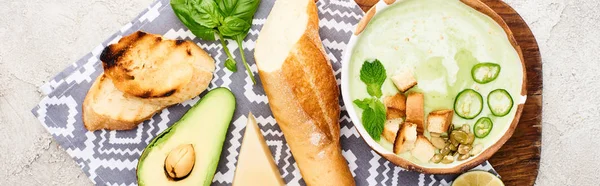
[[228, 19], [373, 116], [373, 74]]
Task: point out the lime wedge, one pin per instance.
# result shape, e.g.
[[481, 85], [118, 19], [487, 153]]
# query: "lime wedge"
[[477, 178]]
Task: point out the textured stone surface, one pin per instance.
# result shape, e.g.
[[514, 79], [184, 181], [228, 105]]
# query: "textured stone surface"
[[40, 38]]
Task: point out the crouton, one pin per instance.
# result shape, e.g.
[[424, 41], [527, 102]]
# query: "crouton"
[[438, 121], [397, 102], [414, 110], [406, 137], [404, 80], [390, 129], [394, 114], [396, 106], [423, 149]]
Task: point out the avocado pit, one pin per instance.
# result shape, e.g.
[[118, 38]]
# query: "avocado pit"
[[180, 162]]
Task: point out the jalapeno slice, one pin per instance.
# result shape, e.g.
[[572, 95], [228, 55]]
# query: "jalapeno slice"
[[500, 102], [483, 73], [468, 104], [483, 127]]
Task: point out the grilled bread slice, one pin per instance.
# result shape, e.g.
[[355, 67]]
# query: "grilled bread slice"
[[163, 72], [105, 107], [302, 91]]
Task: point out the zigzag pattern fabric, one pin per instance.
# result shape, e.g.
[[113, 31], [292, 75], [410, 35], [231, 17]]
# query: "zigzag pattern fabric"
[[110, 157]]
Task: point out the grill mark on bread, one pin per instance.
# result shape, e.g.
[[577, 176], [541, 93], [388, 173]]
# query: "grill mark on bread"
[[179, 42], [188, 51], [169, 93], [111, 54], [110, 58], [148, 94]]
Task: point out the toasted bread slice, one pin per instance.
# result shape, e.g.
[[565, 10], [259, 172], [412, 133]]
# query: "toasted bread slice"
[[396, 106], [390, 129], [105, 107], [423, 150], [415, 112], [162, 71], [438, 121], [404, 80], [406, 137]]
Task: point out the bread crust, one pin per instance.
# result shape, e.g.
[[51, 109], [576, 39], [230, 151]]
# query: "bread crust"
[[303, 96]]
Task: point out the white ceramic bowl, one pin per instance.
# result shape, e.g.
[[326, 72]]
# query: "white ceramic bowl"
[[458, 167]]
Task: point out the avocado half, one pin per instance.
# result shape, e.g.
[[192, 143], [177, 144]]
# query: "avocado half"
[[192, 145]]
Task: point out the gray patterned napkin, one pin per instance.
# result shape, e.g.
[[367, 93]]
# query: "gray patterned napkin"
[[110, 157]]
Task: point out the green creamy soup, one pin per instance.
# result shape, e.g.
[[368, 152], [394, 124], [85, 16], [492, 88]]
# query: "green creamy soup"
[[440, 41]]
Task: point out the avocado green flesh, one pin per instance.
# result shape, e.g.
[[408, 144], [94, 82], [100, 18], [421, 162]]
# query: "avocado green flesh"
[[205, 127], [440, 41]]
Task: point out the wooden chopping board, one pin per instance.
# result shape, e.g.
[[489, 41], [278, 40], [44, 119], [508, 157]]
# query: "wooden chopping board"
[[519, 159]]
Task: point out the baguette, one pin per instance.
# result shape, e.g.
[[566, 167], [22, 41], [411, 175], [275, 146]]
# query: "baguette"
[[302, 91]]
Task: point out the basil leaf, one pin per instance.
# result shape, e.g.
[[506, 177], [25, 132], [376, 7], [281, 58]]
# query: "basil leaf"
[[203, 32], [207, 13], [233, 26], [373, 75], [230, 64], [243, 9], [183, 10]]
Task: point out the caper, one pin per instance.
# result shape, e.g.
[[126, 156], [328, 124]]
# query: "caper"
[[470, 139], [438, 142], [445, 150], [448, 159], [465, 128], [464, 149], [460, 136], [476, 149], [437, 158], [463, 157]]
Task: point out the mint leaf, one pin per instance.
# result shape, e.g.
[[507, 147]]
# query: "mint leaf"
[[373, 117], [373, 75], [363, 104], [374, 90]]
